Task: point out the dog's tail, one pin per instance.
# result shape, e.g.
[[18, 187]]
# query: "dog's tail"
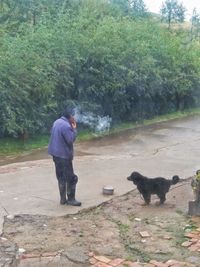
[[175, 179]]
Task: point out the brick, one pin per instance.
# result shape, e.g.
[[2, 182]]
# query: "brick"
[[136, 264], [102, 259], [159, 264], [193, 248], [190, 235], [193, 240], [91, 254], [167, 237], [131, 264], [101, 264], [186, 244], [30, 255], [172, 262], [92, 260], [144, 234], [49, 254], [183, 264], [186, 264], [197, 245], [116, 262], [195, 232]]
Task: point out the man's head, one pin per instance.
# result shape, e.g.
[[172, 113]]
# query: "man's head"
[[68, 112]]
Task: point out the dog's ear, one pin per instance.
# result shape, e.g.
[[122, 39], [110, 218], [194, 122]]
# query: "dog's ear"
[[135, 177], [136, 174], [136, 180], [175, 179]]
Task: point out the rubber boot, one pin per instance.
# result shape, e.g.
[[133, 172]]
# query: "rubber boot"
[[62, 189], [71, 191]]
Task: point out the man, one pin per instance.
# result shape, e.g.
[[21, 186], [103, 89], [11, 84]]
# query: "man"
[[63, 135]]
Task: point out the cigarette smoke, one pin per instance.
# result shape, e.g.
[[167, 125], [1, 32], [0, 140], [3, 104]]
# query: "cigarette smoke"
[[95, 122]]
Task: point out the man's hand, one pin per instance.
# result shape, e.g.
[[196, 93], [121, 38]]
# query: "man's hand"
[[72, 122], [73, 125]]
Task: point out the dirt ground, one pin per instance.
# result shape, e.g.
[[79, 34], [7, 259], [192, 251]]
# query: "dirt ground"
[[112, 229], [37, 225]]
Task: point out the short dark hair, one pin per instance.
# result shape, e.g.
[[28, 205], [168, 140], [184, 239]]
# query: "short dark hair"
[[68, 112]]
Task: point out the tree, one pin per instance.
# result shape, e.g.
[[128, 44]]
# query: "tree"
[[172, 11], [195, 25], [138, 7], [135, 8], [87, 53], [13, 13]]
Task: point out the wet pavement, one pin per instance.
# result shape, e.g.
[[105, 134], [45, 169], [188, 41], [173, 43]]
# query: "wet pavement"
[[163, 149]]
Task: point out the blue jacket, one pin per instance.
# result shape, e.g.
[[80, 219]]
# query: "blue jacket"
[[62, 139]]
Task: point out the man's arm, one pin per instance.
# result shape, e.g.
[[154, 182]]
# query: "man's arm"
[[69, 134]]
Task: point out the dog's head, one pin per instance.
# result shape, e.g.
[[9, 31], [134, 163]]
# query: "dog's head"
[[175, 179], [135, 177]]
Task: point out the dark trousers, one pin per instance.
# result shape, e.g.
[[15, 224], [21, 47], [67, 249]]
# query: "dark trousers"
[[65, 172]]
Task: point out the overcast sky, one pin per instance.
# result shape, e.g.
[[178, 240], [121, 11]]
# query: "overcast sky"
[[154, 5]]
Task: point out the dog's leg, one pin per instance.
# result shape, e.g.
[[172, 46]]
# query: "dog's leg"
[[147, 197], [162, 198]]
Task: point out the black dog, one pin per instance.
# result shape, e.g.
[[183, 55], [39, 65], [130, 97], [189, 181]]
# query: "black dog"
[[149, 186]]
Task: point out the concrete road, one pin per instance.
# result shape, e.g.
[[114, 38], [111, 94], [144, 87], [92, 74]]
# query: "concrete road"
[[158, 150]]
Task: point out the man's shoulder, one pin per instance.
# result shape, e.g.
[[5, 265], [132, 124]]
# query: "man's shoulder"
[[63, 125], [62, 121]]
